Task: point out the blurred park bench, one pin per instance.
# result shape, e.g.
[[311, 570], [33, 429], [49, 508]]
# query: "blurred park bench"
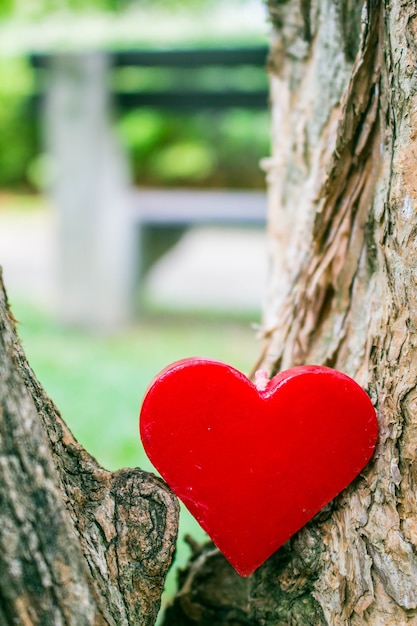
[[110, 233]]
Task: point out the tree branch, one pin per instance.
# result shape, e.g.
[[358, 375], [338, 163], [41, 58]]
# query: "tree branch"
[[78, 545]]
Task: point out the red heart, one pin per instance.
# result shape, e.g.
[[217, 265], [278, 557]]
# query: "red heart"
[[254, 466]]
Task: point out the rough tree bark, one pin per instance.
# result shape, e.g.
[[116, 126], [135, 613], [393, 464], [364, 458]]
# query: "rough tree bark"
[[93, 547], [78, 545], [342, 292]]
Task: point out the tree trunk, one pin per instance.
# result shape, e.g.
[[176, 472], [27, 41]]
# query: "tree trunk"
[[78, 545], [342, 292]]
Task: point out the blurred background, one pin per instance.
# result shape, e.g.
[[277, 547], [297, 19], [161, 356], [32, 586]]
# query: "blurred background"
[[132, 202]]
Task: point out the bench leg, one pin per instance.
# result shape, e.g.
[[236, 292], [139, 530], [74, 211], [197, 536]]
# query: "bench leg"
[[90, 192]]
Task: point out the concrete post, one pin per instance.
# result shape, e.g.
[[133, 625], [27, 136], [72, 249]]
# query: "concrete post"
[[90, 191]]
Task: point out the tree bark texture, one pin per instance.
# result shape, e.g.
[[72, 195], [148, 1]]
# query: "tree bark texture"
[[342, 292], [78, 545]]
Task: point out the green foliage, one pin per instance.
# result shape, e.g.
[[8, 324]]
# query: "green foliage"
[[17, 128], [185, 160], [208, 149], [204, 149], [39, 8], [6, 7]]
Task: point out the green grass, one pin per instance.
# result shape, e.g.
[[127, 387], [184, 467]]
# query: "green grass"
[[98, 381]]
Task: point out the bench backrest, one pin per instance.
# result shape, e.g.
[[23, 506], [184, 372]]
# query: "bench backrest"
[[187, 89]]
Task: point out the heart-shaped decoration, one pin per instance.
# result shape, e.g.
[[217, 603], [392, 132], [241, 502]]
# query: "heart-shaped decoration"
[[253, 465]]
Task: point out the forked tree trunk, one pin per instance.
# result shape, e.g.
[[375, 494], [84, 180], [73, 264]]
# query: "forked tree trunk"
[[342, 292], [79, 546]]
